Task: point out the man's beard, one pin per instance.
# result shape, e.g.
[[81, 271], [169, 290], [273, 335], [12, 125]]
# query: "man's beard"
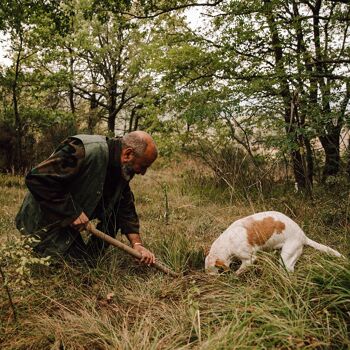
[[127, 171]]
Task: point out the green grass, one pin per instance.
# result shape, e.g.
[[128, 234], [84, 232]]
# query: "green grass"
[[121, 305]]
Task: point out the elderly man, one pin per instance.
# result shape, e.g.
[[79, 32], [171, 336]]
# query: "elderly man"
[[87, 177]]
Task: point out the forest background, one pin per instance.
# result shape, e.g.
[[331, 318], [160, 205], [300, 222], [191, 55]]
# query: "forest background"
[[248, 102], [269, 79]]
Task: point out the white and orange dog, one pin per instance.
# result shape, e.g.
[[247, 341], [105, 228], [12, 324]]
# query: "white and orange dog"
[[261, 231]]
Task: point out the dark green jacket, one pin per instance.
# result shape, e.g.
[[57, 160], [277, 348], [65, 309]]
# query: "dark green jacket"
[[79, 182]]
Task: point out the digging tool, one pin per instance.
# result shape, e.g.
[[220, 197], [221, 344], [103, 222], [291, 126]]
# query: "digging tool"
[[93, 230]]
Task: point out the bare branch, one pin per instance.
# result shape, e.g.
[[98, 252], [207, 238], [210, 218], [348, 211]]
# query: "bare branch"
[[161, 11]]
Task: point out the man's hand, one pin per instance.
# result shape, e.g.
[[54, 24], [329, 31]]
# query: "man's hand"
[[147, 257], [80, 222]]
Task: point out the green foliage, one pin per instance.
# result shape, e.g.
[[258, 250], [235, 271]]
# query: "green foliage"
[[44, 128], [15, 15], [235, 78], [17, 260], [257, 57]]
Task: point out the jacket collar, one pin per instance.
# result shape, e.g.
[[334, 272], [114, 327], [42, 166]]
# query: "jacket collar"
[[115, 151]]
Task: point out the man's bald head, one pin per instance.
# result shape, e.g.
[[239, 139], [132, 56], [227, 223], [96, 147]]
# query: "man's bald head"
[[142, 143], [139, 151]]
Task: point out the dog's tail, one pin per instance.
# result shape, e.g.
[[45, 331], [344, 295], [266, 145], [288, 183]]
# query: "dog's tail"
[[323, 248]]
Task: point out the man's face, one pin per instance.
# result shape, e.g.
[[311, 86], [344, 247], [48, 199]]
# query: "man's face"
[[135, 165]]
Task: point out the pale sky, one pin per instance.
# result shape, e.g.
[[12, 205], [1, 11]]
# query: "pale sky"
[[3, 46]]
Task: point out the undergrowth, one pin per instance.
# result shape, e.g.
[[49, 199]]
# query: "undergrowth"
[[122, 305]]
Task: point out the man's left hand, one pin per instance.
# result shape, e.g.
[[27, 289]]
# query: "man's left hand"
[[147, 257]]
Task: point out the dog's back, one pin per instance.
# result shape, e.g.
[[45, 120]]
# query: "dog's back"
[[260, 231]]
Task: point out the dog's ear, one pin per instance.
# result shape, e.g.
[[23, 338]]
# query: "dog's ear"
[[221, 265]]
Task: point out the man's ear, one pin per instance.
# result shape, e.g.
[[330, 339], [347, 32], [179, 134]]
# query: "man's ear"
[[127, 154]]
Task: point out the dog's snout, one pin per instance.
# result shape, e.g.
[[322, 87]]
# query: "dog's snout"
[[212, 270]]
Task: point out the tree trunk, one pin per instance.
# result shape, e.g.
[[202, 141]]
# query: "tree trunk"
[[112, 107], [330, 144], [298, 169], [18, 163], [131, 121], [309, 162], [111, 121], [71, 88], [290, 106], [348, 159], [331, 139], [135, 117], [92, 117], [301, 166], [305, 57]]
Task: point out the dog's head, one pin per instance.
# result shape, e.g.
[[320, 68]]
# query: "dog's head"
[[213, 265]]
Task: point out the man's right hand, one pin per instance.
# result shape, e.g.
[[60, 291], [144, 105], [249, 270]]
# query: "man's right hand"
[[80, 222]]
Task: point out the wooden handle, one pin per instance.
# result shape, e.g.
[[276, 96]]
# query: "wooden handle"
[[92, 229]]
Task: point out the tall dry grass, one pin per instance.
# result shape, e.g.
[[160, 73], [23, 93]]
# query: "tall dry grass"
[[121, 305]]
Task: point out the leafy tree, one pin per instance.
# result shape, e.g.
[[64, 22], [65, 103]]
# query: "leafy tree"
[[24, 22], [276, 59], [300, 48], [107, 63]]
